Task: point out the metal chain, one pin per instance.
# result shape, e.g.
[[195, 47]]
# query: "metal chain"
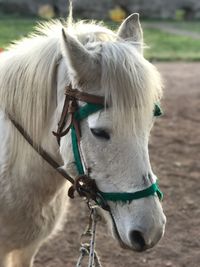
[[88, 249]]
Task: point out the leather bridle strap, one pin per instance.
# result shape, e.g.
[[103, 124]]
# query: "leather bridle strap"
[[81, 96], [70, 107], [41, 151]]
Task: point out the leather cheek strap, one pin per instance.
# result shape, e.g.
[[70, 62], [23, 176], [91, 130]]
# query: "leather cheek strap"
[[70, 107]]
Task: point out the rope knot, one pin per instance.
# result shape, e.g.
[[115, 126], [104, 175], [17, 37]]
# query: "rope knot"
[[85, 186]]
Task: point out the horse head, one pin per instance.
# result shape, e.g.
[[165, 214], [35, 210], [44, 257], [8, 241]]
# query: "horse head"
[[114, 140]]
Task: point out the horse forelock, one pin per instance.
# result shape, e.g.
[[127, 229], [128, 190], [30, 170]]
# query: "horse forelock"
[[132, 85]]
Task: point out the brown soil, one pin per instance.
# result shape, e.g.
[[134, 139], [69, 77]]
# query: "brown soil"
[[174, 151]]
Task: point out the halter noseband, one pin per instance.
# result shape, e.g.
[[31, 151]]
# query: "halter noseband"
[[70, 119]]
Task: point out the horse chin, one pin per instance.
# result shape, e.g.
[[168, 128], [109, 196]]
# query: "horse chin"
[[109, 220], [116, 236]]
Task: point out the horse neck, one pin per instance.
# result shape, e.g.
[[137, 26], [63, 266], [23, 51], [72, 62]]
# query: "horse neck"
[[29, 166], [44, 176]]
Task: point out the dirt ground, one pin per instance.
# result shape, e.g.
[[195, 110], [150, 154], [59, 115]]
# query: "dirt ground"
[[175, 155]]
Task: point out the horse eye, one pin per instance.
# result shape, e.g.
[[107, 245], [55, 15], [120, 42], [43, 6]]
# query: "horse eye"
[[100, 133]]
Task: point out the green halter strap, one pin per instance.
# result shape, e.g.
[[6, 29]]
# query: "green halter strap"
[[84, 112], [81, 114]]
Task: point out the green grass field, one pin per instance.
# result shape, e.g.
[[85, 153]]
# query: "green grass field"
[[169, 47], [14, 28], [161, 46], [193, 26]]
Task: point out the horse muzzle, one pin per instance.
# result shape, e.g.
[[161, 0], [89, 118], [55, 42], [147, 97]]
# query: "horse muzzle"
[[138, 234]]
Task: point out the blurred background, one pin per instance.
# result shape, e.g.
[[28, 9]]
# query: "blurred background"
[[172, 34]]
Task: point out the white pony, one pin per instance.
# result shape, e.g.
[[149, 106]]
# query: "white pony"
[[33, 76]]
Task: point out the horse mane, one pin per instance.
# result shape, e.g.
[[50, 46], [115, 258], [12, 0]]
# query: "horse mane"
[[28, 76], [27, 72]]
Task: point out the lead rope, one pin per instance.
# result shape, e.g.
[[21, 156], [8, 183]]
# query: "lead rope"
[[88, 249]]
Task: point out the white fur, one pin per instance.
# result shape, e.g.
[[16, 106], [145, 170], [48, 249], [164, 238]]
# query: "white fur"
[[33, 75]]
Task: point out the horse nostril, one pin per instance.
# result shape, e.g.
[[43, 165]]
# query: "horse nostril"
[[137, 240]]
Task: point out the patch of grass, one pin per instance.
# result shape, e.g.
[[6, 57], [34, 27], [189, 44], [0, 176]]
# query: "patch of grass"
[[14, 28], [193, 26], [162, 46], [168, 47]]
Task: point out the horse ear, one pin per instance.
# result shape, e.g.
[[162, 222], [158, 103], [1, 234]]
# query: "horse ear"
[[80, 60], [131, 29]]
